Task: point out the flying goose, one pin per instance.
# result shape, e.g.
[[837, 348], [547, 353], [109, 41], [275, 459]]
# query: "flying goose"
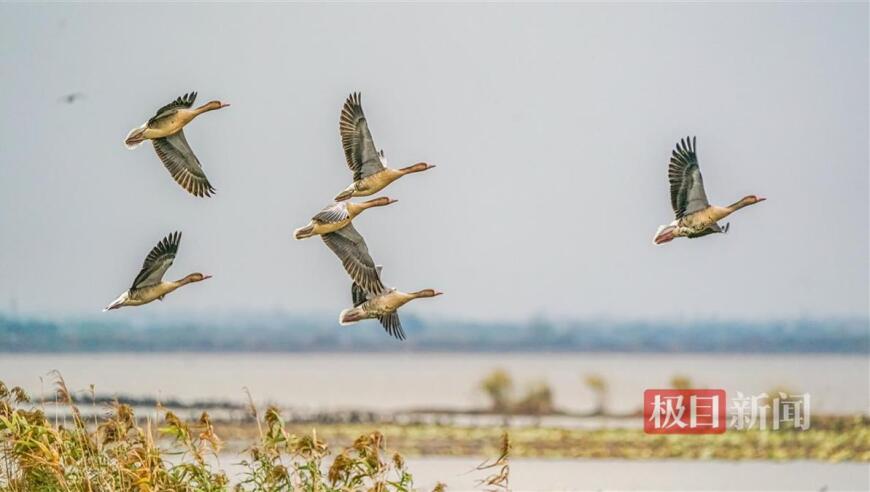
[[149, 284], [382, 306], [695, 217], [165, 131], [337, 215], [369, 166], [351, 249]]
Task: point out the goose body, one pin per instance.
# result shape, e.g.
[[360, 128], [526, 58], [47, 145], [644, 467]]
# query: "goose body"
[[336, 216], [369, 166], [333, 225], [149, 285], [165, 130], [383, 306], [695, 217]]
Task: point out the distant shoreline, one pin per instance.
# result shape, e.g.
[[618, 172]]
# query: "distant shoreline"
[[294, 334], [427, 350]]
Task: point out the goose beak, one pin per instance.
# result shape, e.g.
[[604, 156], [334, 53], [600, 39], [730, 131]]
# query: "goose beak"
[[391, 201], [761, 199], [225, 105], [430, 166], [206, 277], [437, 293]]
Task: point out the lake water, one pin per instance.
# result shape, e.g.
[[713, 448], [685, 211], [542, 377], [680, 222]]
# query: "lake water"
[[459, 474], [540, 474], [385, 382]]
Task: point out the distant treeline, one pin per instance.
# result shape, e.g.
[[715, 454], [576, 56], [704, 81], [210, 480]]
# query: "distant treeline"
[[284, 332]]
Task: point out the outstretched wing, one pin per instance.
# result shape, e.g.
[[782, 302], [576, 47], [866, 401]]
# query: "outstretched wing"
[[687, 186], [351, 249], [184, 101], [182, 164], [333, 213], [357, 294], [392, 324], [158, 261], [359, 148]]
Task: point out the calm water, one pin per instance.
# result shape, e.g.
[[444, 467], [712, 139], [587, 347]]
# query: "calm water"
[[540, 474], [837, 384], [601, 475]]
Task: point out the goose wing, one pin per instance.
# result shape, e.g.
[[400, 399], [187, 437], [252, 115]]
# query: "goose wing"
[[358, 294], [359, 148], [687, 186], [185, 101], [351, 249], [158, 261], [392, 325], [333, 213], [182, 164]]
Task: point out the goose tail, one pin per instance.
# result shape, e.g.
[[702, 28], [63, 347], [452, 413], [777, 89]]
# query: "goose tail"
[[350, 316], [135, 137], [664, 234], [117, 303], [344, 195], [304, 232]]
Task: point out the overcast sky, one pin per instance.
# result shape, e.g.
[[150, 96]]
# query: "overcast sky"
[[551, 127]]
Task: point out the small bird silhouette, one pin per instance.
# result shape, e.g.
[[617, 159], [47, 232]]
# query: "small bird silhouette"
[[72, 97]]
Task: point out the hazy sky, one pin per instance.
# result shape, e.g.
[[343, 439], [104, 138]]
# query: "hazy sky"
[[551, 127]]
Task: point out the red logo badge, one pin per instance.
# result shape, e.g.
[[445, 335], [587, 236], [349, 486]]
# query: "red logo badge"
[[691, 411]]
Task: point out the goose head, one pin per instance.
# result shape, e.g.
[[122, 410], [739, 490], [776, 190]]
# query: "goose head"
[[195, 277], [427, 293], [211, 106], [380, 202], [747, 201], [418, 167]]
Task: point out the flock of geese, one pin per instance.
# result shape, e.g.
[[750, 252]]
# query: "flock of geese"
[[694, 216]]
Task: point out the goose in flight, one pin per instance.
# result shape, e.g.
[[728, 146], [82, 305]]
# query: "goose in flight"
[[165, 130], [337, 215], [351, 249], [72, 97], [369, 166], [695, 217], [383, 306], [149, 284]]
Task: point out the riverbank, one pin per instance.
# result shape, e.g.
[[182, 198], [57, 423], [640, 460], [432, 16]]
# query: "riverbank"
[[834, 439]]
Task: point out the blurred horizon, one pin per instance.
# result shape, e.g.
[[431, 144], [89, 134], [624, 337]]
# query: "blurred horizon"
[[296, 332]]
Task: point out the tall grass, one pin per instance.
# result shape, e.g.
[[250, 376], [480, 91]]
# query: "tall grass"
[[117, 452]]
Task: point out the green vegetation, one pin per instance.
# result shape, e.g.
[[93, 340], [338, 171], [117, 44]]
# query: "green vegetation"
[[118, 452], [832, 439], [538, 400], [681, 382], [498, 386], [500, 468], [598, 385], [115, 453]]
